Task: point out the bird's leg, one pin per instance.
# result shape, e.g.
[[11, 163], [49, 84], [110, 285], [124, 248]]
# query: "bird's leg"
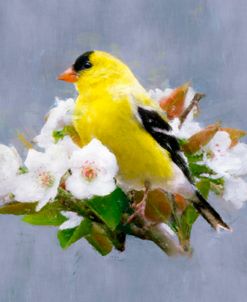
[[140, 206]]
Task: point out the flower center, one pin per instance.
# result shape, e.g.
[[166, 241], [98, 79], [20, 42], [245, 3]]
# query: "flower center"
[[89, 172], [46, 179]]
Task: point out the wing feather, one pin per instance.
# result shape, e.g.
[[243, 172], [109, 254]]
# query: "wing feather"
[[161, 131]]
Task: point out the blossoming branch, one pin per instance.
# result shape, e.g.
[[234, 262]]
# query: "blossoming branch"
[[74, 188]]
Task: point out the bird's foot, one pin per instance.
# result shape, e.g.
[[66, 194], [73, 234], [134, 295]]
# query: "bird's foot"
[[139, 210]]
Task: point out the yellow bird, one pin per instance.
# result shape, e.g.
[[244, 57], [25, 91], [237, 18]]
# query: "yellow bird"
[[113, 107]]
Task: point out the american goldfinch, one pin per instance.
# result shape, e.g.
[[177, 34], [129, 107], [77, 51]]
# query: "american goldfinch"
[[113, 107]]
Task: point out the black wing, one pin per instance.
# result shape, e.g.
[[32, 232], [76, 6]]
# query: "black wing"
[[160, 130]]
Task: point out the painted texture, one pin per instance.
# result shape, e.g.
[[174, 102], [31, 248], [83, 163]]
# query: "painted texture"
[[201, 41]]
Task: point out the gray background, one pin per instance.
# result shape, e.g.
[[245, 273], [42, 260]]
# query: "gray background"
[[163, 41]]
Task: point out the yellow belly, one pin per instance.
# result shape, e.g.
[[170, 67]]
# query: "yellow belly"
[[139, 156]]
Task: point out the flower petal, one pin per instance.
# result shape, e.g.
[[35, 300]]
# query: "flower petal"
[[73, 220], [235, 191], [220, 143], [77, 186], [188, 128], [58, 117], [48, 195], [27, 188], [9, 164], [100, 188], [54, 159], [68, 145]]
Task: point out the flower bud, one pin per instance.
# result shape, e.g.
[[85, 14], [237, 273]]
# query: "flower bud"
[[174, 103]]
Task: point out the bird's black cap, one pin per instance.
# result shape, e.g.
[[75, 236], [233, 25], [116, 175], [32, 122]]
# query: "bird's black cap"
[[83, 61]]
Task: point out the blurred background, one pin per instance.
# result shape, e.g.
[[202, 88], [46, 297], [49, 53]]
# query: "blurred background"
[[165, 42]]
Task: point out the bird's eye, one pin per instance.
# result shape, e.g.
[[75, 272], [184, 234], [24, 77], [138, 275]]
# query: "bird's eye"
[[83, 62], [87, 64]]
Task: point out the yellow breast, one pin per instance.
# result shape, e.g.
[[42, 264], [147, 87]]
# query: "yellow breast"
[[112, 121]]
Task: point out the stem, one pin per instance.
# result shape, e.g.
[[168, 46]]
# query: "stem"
[[164, 240], [73, 204], [139, 228], [196, 99], [156, 233]]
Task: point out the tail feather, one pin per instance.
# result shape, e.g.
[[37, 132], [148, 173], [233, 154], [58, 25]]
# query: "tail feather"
[[209, 213]]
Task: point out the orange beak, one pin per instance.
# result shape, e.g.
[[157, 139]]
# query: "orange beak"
[[69, 75]]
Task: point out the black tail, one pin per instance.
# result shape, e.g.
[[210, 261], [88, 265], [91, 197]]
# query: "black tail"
[[209, 213]]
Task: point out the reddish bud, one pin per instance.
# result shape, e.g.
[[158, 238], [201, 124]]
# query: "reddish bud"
[[173, 104], [235, 135], [201, 138]]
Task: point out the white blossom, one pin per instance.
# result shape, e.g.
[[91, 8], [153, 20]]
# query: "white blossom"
[[58, 117], [188, 128], [73, 220], [235, 191], [219, 144], [238, 155], [93, 170], [41, 181], [10, 162], [68, 145], [225, 160], [158, 94], [229, 163]]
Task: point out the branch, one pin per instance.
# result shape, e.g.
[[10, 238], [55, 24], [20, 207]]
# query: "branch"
[[156, 233], [196, 99], [164, 240]]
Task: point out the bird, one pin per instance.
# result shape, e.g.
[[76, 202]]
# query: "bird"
[[115, 108]]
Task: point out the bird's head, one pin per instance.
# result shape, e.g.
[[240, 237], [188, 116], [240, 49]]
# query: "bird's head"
[[95, 68]]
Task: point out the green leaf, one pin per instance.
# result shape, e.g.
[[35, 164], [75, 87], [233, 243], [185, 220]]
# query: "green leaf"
[[58, 134], [207, 184], [204, 187], [182, 141], [190, 215], [218, 189], [23, 170], [99, 239], [188, 218], [67, 130], [196, 157], [18, 208], [217, 181], [69, 236], [49, 215], [197, 170], [110, 208], [158, 208]]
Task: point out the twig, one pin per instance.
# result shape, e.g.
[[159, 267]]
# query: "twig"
[[156, 233], [25, 142], [196, 99], [139, 227], [164, 240]]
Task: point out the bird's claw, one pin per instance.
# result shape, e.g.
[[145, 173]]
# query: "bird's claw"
[[139, 210]]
